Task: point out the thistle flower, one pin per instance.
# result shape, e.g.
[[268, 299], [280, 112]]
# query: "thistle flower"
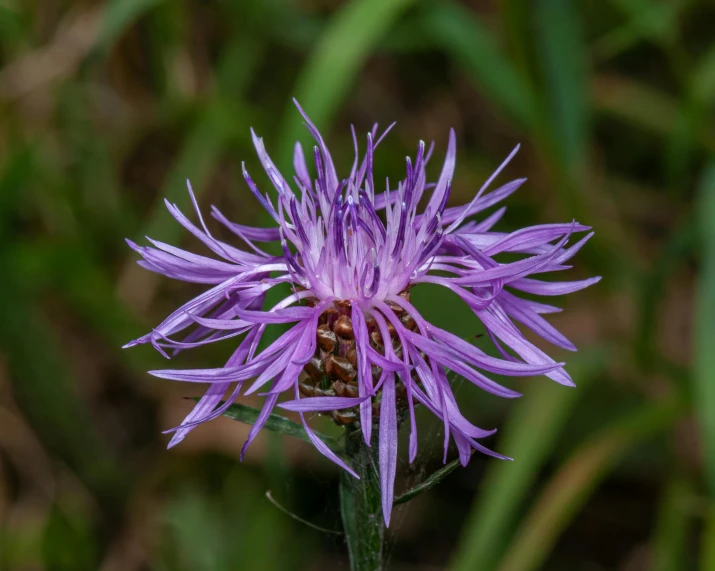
[[358, 349]]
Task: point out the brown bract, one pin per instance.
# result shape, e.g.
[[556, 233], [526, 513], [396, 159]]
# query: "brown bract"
[[333, 370]]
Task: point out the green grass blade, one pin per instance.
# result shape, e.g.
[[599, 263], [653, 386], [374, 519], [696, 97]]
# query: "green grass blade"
[[707, 542], [41, 377], [196, 162], [677, 248], [118, 16], [646, 20], [277, 423], [643, 106], [670, 546], [44, 387], [704, 338], [703, 81], [572, 485], [465, 39], [535, 424], [333, 66], [564, 65], [704, 341]]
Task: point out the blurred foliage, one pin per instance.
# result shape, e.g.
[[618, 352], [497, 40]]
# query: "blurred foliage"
[[107, 107]]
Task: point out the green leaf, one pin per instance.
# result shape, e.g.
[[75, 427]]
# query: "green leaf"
[[703, 79], [45, 388], [646, 20], [643, 106], [579, 476], [432, 480], [670, 547], [41, 375], [677, 248], [472, 45], [536, 422], [707, 549], [118, 16], [564, 64], [339, 54], [68, 543], [277, 423], [704, 337], [202, 147]]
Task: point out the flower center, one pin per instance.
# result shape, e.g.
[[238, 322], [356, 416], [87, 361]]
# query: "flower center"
[[333, 369]]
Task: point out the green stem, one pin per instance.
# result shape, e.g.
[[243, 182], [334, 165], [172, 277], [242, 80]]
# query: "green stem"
[[361, 507]]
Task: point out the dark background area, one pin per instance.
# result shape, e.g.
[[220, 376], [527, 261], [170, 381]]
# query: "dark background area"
[[107, 107]]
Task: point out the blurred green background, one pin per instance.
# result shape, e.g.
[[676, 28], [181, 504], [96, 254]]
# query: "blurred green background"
[[107, 107]]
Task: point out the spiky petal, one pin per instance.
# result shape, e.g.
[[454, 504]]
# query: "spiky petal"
[[352, 255]]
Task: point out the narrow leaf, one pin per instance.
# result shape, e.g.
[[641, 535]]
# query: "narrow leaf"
[[277, 423], [202, 148], [432, 480], [463, 37], [339, 54], [535, 423], [572, 485], [670, 548], [564, 63], [704, 338], [118, 16]]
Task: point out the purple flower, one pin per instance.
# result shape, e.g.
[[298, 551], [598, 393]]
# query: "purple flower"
[[358, 349]]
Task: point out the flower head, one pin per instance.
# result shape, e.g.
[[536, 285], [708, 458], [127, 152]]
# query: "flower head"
[[358, 349]]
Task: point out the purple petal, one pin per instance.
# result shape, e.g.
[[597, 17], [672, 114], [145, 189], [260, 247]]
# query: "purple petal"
[[388, 446], [321, 404]]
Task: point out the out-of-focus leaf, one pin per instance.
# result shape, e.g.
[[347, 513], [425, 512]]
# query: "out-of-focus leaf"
[[17, 170], [331, 69], [647, 19], [572, 485], [641, 105], [40, 376], [196, 161], [11, 25], [518, 27], [44, 388], [652, 17], [564, 63], [707, 541], [465, 38], [692, 123], [681, 243], [534, 425], [68, 544], [277, 423], [217, 122], [704, 341], [670, 547], [283, 21], [118, 16], [703, 81], [704, 334], [228, 528], [693, 120]]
